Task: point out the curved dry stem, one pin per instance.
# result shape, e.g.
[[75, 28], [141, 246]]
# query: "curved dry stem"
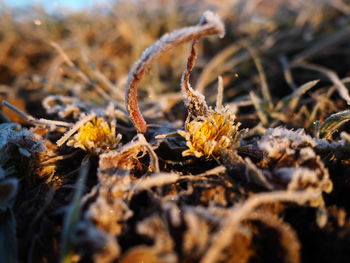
[[194, 100], [209, 24]]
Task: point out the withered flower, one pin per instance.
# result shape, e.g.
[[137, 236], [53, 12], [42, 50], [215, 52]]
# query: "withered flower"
[[96, 136], [208, 135]]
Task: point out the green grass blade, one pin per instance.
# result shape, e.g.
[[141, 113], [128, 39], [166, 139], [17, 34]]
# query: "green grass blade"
[[333, 122], [73, 214]]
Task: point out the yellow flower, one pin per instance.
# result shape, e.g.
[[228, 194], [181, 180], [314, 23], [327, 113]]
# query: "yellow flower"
[[206, 136], [96, 136]]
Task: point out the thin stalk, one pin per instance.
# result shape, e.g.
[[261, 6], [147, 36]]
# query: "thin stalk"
[[209, 24]]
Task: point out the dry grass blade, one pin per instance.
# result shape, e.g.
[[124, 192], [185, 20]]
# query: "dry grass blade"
[[73, 213], [78, 71], [293, 99], [342, 90], [210, 72], [210, 24], [153, 156], [220, 94], [155, 180], [258, 104], [88, 68], [255, 175], [262, 76], [159, 179], [230, 226], [322, 44], [287, 73]]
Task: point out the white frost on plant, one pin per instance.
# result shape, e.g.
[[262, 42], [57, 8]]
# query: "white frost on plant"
[[303, 178], [11, 133], [307, 153], [214, 19], [280, 140]]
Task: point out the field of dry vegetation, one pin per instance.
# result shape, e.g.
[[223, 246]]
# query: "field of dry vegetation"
[[166, 131]]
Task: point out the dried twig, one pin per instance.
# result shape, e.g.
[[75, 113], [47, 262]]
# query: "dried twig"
[[209, 24]]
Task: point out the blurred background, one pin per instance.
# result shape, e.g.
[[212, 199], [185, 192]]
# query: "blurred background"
[[46, 45]]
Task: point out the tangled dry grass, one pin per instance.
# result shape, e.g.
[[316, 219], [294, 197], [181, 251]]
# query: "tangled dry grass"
[[251, 164]]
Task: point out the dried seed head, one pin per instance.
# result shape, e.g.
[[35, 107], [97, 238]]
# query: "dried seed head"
[[96, 136]]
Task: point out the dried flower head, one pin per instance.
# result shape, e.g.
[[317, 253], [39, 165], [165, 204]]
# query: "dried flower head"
[[96, 136], [208, 135]]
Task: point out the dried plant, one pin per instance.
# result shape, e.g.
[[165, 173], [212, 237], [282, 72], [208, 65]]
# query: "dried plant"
[[211, 131], [209, 24]]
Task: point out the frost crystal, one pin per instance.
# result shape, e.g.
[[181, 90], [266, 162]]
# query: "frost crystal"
[[280, 140], [11, 133]]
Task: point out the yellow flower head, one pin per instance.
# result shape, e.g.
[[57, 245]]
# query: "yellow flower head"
[[206, 136], [96, 136]]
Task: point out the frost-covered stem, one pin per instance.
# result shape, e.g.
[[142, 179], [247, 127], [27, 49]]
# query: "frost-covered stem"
[[209, 24], [220, 94], [194, 100], [32, 120]]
